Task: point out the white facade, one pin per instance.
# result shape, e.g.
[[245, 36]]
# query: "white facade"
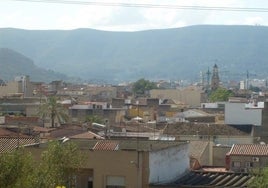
[[91, 105], [242, 85], [209, 105], [242, 114], [168, 164]]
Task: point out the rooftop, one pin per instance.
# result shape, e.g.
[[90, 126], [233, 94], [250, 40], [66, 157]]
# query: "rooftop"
[[202, 129], [212, 179], [130, 145], [249, 149]]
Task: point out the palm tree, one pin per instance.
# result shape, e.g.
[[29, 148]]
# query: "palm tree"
[[93, 119], [53, 109]]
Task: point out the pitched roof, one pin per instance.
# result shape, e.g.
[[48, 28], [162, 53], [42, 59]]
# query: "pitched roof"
[[106, 145], [67, 131], [214, 179], [249, 149], [42, 129], [5, 132], [86, 135], [203, 129]]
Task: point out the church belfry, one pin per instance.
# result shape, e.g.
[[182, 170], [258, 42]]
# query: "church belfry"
[[215, 79]]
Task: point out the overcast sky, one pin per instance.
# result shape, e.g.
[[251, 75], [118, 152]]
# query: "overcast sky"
[[27, 14]]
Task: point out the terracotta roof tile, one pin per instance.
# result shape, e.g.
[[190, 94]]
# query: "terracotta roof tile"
[[8, 144], [4, 132], [106, 145], [250, 149]]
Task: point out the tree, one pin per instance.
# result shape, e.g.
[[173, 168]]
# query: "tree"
[[260, 180], [57, 167], [16, 169], [142, 86], [220, 94], [53, 109]]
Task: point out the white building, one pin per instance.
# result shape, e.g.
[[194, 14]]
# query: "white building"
[[243, 113]]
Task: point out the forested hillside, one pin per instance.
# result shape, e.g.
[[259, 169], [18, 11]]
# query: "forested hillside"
[[155, 54], [15, 64]]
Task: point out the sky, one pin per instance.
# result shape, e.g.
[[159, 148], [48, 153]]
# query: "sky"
[[104, 15]]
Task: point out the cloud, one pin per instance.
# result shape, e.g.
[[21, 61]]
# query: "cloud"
[[31, 15], [254, 20], [85, 17]]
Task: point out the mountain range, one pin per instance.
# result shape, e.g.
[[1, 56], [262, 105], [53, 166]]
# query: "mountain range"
[[15, 64], [174, 54]]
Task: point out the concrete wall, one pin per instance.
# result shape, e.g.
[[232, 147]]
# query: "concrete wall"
[[238, 114], [115, 163], [167, 164], [262, 131], [219, 153]]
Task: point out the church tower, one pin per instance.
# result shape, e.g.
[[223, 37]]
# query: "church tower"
[[215, 79]]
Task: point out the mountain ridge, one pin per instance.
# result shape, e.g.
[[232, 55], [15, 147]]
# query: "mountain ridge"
[[178, 53]]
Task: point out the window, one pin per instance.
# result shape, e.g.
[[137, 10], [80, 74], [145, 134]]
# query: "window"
[[115, 182], [74, 112], [249, 164], [236, 164]]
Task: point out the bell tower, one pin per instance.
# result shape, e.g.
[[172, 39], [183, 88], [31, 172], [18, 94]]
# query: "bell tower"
[[215, 79]]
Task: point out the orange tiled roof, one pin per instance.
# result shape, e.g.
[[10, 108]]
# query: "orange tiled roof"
[[4, 132], [8, 144], [249, 149], [106, 145]]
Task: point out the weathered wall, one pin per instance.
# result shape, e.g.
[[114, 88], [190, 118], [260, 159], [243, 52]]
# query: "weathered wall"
[[167, 164]]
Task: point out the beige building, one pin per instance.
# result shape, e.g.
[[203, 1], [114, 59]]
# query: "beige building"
[[189, 96], [19, 87], [129, 163]]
